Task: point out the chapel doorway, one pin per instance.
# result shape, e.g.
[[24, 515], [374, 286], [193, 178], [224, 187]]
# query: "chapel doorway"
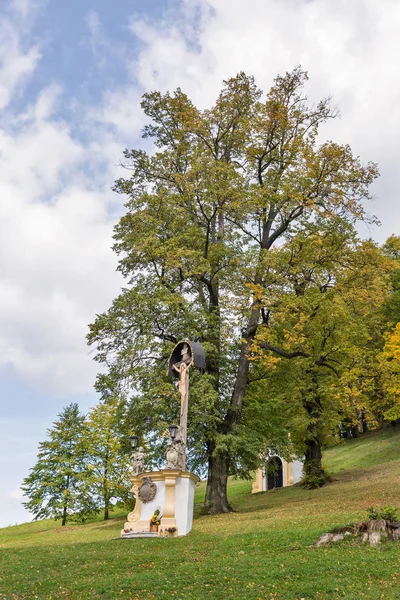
[[274, 473]]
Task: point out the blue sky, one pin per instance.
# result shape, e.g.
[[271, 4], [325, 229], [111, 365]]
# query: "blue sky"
[[71, 77]]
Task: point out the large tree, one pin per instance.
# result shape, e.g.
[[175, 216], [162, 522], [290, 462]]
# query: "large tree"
[[55, 487], [322, 319], [222, 190]]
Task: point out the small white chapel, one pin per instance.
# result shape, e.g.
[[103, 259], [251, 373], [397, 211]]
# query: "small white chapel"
[[276, 473]]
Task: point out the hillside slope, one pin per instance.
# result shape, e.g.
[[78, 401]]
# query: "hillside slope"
[[261, 551]]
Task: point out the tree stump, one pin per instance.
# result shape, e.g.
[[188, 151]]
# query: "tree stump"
[[377, 526], [376, 530]]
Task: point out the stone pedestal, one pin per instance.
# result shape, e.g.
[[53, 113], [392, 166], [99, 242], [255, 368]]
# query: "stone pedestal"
[[174, 498]]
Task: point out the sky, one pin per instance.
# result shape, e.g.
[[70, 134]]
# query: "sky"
[[71, 78]]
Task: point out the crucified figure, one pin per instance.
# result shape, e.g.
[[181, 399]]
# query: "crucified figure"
[[182, 367], [186, 358]]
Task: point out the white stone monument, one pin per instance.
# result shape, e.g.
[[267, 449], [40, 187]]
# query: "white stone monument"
[[171, 490]]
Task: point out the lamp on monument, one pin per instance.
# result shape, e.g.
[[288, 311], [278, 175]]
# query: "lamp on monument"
[[173, 430], [133, 441]]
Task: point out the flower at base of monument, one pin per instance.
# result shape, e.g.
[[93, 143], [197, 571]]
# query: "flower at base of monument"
[[170, 529], [156, 518], [126, 530]]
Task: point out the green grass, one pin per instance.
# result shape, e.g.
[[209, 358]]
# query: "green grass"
[[369, 450], [263, 550]]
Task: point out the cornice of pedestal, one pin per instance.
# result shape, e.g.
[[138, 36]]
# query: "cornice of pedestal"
[[163, 475]]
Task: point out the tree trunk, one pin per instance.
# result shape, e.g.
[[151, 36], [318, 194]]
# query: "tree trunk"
[[64, 517], [364, 422], [314, 474], [105, 488], [216, 500]]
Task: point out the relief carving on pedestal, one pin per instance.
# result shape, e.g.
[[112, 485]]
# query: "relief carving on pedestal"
[[147, 490]]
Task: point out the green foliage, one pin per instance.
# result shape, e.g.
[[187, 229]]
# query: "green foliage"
[[389, 362], [106, 478], [323, 328], [315, 480], [56, 485], [387, 513], [391, 308]]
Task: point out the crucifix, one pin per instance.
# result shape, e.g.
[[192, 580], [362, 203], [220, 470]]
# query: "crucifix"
[[184, 355]]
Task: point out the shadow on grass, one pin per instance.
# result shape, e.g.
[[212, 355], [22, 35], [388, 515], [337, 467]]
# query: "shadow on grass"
[[109, 523], [367, 474]]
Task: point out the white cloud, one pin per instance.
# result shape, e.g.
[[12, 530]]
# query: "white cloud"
[[26, 9], [17, 63], [46, 104], [121, 111], [56, 266], [23, 7]]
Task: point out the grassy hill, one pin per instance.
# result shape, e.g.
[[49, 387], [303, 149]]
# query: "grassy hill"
[[262, 551]]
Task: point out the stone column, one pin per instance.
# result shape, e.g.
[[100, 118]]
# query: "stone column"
[[134, 516], [168, 515], [258, 485], [290, 473]]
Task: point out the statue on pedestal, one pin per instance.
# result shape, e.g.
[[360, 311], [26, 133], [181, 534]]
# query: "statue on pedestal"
[[137, 462], [176, 452]]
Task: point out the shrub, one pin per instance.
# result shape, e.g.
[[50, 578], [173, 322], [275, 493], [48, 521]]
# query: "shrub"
[[387, 513]]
